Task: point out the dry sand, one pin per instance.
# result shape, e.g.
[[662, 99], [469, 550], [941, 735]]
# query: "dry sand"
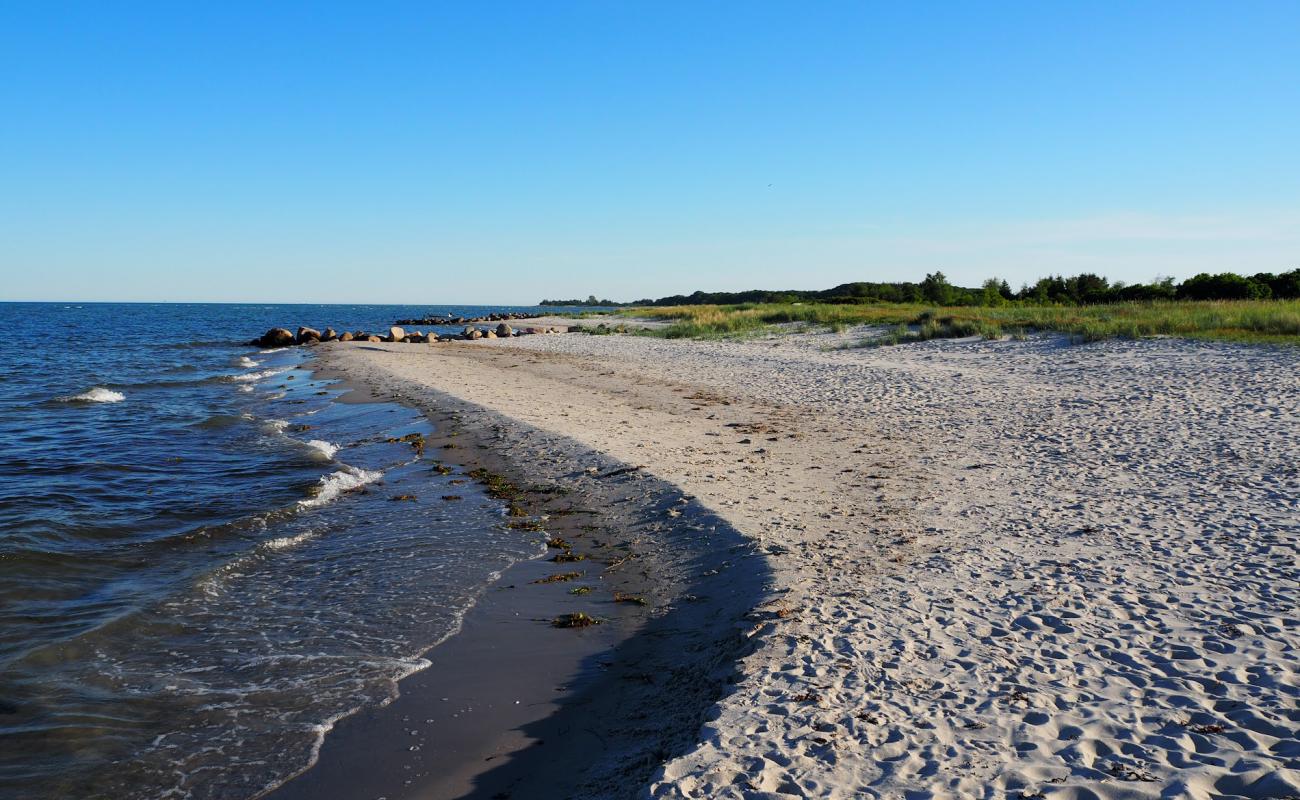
[[1007, 568]]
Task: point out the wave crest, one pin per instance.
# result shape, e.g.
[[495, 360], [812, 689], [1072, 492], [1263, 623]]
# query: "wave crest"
[[97, 394], [254, 376], [324, 448], [336, 483]]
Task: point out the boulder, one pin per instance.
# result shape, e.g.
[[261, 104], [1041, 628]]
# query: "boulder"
[[575, 329], [306, 334], [373, 339], [276, 337], [346, 336], [504, 330], [329, 335], [469, 331], [489, 334], [396, 334]]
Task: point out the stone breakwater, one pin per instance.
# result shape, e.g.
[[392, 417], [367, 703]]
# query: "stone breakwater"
[[283, 337], [496, 316]]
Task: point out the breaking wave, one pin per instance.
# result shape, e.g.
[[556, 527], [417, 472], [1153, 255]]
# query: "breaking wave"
[[96, 395], [336, 483]]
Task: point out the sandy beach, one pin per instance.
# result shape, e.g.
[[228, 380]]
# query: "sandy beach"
[[997, 569]]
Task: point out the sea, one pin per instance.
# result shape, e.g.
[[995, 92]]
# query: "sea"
[[207, 559]]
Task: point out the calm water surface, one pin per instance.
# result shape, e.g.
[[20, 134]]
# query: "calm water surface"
[[201, 564]]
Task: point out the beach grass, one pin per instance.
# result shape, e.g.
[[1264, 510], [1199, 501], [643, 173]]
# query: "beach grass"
[[1272, 321]]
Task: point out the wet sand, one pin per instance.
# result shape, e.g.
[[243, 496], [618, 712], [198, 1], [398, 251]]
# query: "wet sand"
[[514, 707]]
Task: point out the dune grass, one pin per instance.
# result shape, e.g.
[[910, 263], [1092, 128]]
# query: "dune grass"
[[1275, 321]]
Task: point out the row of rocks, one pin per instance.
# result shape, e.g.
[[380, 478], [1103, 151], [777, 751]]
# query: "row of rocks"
[[499, 316], [283, 337]]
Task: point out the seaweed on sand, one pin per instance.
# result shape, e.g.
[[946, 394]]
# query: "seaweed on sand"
[[577, 619], [415, 440], [559, 577]]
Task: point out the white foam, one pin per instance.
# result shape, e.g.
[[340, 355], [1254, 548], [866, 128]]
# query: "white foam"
[[256, 376], [272, 350], [336, 483], [246, 388], [325, 448], [285, 542], [96, 395], [245, 361], [275, 425]]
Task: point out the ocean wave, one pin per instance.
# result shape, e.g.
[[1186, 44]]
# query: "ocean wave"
[[246, 388], [245, 361], [97, 394], [285, 542], [336, 483], [220, 421], [254, 376], [272, 350], [324, 448], [274, 425]]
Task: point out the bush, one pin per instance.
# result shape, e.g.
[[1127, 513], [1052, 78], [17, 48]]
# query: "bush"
[[1224, 286]]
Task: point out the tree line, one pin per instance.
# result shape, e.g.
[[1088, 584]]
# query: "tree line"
[[1083, 289]]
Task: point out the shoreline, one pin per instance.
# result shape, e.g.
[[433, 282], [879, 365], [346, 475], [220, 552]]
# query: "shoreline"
[[503, 696]]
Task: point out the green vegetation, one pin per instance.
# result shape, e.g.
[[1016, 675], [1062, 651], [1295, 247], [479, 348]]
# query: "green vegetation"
[[1083, 289], [590, 301], [1264, 307], [1238, 320]]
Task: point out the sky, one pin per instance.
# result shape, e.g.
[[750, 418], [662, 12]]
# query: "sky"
[[488, 152]]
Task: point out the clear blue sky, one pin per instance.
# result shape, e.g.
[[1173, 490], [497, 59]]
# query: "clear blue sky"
[[501, 152]]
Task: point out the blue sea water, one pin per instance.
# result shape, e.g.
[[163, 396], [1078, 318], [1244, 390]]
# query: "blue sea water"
[[202, 566]]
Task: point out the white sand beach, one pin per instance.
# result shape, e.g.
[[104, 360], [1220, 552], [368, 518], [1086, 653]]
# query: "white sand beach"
[[1003, 569]]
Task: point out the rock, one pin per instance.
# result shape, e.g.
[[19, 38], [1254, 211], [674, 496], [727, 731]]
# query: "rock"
[[329, 335], [504, 330], [346, 336], [396, 334], [575, 329], [373, 339], [276, 337], [476, 334], [469, 330], [489, 334], [306, 334]]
